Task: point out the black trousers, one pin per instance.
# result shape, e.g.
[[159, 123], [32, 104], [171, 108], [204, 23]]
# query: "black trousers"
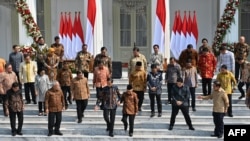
[[60, 65], [19, 82], [3, 97], [152, 102], [40, 65], [240, 87], [140, 96], [185, 112], [13, 116], [169, 87], [192, 92], [30, 87], [229, 110], [109, 117], [237, 70], [86, 74], [52, 123], [131, 121], [218, 122], [41, 107], [65, 90], [206, 85], [80, 108]]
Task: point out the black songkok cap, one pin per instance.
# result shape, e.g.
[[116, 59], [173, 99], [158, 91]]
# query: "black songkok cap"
[[180, 80], [129, 87]]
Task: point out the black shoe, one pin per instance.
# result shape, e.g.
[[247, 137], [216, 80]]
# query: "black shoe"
[[131, 134], [169, 102], [194, 109], [27, 102], [58, 133], [230, 115], [49, 134], [35, 102], [170, 128], [220, 136], [152, 114], [111, 134], [79, 121], [140, 109], [213, 135], [241, 97], [14, 134], [19, 133], [191, 128], [70, 102], [159, 114]]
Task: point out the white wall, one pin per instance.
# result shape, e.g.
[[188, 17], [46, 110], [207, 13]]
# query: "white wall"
[[58, 6], [5, 34], [206, 12], [108, 26]]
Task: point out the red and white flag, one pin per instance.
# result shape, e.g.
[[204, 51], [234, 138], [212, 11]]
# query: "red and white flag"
[[178, 34], [91, 15], [69, 39], [195, 33], [173, 47], [160, 22], [79, 34], [61, 26], [183, 33], [64, 37], [189, 29], [74, 30]]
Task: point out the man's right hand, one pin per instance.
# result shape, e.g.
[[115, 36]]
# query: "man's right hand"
[[7, 113], [47, 111]]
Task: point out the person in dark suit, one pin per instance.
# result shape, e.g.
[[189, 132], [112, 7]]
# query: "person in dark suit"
[[180, 98]]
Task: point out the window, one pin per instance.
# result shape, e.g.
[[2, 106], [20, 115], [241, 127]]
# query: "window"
[[244, 20]]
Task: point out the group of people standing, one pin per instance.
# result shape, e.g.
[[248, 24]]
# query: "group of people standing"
[[50, 81]]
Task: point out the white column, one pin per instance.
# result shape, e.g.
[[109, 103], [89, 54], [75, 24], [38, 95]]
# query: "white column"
[[167, 30], [98, 29], [233, 35], [166, 52], [24, 39]]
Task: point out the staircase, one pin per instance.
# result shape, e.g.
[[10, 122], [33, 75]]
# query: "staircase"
[[93, 126]]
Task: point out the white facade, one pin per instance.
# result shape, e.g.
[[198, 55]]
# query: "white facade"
[[208, 13]]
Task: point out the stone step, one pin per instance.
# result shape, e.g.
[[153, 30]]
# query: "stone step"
[[147, 112], [175, 137], [164, 118], [91, 105]]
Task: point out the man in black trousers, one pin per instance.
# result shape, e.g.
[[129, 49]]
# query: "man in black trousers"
[[180, 98], [110, 99], [14, 107]]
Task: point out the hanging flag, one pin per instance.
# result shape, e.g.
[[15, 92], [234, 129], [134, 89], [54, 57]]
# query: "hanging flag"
[[61, 27], [79, 34], [160, 22], [64, 37], [69, 38], [178, 34], [189, 29], [183, 33], [194, 35], [74, 30], [173, 48], [91, 15]]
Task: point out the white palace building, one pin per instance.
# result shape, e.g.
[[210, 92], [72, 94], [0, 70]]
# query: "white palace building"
[[110, 14]]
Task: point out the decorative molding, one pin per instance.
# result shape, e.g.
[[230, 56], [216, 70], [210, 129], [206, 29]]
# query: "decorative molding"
[[223, 27]]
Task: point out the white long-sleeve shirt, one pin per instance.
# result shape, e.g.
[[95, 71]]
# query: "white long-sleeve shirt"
[[226, 59]]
